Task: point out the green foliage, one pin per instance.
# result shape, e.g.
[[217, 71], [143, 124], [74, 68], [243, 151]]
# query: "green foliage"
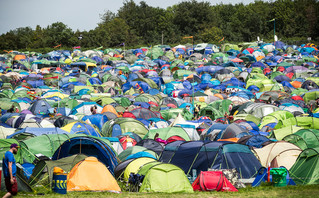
[[211, 35], [138, 24]]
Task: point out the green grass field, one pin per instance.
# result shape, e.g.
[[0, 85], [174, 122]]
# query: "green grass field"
[[263, 191]]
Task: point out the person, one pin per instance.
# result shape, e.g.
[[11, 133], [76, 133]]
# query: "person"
[[188, 107], [196, 111], [9, 169], [93, 110], [11, 110]]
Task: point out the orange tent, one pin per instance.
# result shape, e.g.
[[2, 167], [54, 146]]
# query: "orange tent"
[[296, 84], [91, 175], [230, 139], [19, 57], [110, 108]]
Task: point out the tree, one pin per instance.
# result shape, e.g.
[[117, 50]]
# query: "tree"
[[57, 33], [211, 35]]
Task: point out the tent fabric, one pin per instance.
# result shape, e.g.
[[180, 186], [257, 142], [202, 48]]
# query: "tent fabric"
[[90, 146], [97, 177], [305, 170], [212, 181], [42, 173], [189, 156], [231, 156], [165, 178], [278, 154], [166, 133]]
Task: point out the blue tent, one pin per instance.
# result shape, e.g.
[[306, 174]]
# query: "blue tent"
[[257, 141], [40, 107], [99, 148], [189, 156], [237, 156], [96, 119]]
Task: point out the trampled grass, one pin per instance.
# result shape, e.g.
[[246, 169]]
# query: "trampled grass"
[[263, 191]]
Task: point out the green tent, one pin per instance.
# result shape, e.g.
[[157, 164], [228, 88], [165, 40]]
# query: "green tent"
[[247, 117], [7, 104], [165, 133], [179, 74], [164, 178], [173, 113], [150, 82], [123, 101], [276, 117], [304, 122], [42, 173], [221, 105], [5, 146], [66, 102], [304, 138], [44, 144], [170, 55], [279, 134], [126, 125], [154, 53], [211, 112], [306, 168], [148, 98], [299, 91], [103, 100], [313, 95]]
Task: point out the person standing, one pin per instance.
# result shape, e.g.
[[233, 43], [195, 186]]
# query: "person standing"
[[9, 169]]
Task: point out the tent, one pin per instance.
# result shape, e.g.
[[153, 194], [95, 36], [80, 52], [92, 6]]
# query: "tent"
[[278, 154], [166, 133], [135, 149], [91, 175], [190, 156], [240, 157], [44, 145], [29, 132], [306, 168], [165, 178], [90, 146], [42, 173], [304, 138], [120, 126]]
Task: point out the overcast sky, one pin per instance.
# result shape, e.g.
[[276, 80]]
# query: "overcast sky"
[[76, 14]]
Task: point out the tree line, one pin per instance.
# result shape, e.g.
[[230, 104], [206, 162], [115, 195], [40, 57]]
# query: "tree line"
[[143, 25]]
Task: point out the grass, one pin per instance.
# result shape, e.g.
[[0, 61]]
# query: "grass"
[[265, 190]]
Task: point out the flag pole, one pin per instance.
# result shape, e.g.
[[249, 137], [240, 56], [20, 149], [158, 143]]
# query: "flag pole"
[[274, 31]]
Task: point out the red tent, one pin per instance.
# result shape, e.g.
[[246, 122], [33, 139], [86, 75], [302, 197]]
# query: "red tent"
[[212, 181]]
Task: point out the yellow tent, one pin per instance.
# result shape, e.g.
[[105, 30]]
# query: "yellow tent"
[[57, 94], [91, 175]]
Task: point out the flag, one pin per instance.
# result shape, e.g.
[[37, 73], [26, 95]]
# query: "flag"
[[271, 20], [187, 37], [57, 46]]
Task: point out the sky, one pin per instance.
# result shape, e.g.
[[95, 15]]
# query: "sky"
[[76, 14]]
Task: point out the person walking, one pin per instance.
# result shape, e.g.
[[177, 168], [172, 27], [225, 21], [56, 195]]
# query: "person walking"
[[9, 169]]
